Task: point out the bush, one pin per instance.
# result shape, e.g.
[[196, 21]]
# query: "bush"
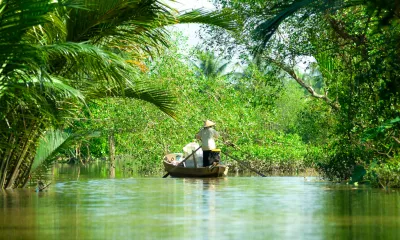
[[385, 175]]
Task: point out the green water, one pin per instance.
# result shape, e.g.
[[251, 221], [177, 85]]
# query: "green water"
[[83, 204]]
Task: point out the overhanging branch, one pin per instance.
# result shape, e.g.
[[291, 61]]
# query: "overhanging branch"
[[289, 70]]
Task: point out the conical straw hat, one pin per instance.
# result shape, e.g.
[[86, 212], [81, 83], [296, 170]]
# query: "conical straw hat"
[[208, 123]]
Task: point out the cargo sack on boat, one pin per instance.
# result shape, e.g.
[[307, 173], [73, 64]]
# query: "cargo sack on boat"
[[188, 149]]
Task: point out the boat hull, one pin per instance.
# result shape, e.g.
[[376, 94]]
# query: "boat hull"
[[200, 172]]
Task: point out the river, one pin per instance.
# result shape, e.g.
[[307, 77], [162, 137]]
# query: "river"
[[90, 206]]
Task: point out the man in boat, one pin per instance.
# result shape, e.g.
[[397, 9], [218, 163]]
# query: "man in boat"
[[207, 135]]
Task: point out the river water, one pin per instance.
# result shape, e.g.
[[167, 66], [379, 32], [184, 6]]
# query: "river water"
[[91, 206]]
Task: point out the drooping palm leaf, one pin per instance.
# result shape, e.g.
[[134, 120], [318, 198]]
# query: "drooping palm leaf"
[[49, 146], [209, 65], [16, 19], [326, 64], [160, 98], [136, 25], [44, 100], [110, 15], [122, 79], [54, 142], [267, 28], [224, 19]]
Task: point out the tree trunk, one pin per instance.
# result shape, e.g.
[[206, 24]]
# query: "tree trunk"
[[29, 138], [88, 157], [6, 159], [25, 178], [111, 150], [302, 83]]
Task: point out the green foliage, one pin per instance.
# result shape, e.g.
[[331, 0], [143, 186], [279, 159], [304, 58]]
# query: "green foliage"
[[48, 147], [58, 56], [284, 153], [52, 145], [209, 66], [245, 110], [356, 69], [385, 175], [358, 174], [379, 131]]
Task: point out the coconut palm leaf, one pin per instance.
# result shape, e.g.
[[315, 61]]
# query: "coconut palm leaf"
[[326, 64], [54, 142], [209, 65], [160, 98], [104, 73], [224, 19], [41, 92], [110, 15], [49, 146], [46, 102], [82, 62], [17, 18], [134, 24]]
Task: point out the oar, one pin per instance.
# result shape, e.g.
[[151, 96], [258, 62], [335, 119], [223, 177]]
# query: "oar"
[[246, 165], [166, 175]]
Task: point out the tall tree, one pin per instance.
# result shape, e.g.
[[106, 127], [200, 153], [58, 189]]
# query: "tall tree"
[[209, 65]]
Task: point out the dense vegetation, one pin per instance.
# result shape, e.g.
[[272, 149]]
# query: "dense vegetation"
[[316, 85], [355, 52], [255, 112], [56, 57]]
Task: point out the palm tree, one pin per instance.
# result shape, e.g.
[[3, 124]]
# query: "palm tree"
[[56, 56], [209, 65]]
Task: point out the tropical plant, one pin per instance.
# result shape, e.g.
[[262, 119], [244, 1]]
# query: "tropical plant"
[[245, 110], [56, 56], [52, 145], [209, 65]]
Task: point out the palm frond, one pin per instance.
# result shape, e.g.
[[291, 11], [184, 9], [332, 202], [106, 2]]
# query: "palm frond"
[[56, 141], [110, 75], [90, 64], [49, 146], [224, 19], [51, 100], [326, 64], [209, 65], [160, 98], [17, 17], [17, 20], [84, 25], [50, 32], [53, 88], [135, 25]]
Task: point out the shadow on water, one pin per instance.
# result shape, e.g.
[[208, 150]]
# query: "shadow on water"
[[85, 204]]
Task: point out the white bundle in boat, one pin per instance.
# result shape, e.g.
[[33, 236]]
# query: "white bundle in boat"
[[188, 149]]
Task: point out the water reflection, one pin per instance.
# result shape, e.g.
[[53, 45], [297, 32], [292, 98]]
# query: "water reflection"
[[201, 202], [361, 213], [173, 208]]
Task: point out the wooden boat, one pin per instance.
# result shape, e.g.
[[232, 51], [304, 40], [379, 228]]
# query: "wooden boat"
[[179, 170]]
